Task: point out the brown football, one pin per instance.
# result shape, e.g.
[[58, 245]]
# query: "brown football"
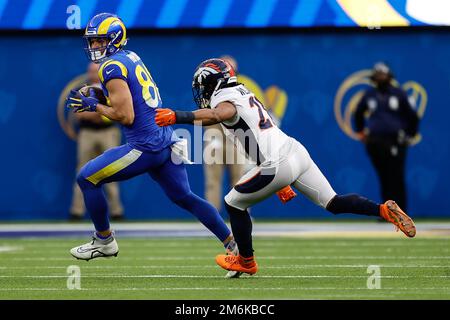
[[98, 93]]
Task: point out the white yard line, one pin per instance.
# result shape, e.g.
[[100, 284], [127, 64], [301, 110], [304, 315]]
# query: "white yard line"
[[152, 243], [311, 266], [8, 248], [259, 258], [186, 230], [216, 251], [416, 289], [169, 276]]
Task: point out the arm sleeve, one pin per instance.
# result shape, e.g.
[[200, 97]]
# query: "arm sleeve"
[[410, 115], [359, 114], [112, 70]]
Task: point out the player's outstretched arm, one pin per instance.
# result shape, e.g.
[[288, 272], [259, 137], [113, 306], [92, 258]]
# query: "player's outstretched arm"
[[222, 112], [121, 102]]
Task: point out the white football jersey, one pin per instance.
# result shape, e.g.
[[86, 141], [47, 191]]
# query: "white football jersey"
[[252, 125]]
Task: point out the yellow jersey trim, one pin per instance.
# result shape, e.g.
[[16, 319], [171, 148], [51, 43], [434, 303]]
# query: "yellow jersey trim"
[[110, 62], [115, 167]]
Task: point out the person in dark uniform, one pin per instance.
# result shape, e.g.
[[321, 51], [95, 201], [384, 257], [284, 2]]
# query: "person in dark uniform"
[[386, 121]]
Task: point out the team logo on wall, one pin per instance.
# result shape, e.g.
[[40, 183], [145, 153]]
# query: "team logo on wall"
[[66, 118], [352, 89]]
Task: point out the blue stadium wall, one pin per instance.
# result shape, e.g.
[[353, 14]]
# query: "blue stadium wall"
[[38, 160]]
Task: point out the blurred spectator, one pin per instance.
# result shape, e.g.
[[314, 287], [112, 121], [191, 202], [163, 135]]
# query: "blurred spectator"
[[97, 134], [220, 145], [386, 121]]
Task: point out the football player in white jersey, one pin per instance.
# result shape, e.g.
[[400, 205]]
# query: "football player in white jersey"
[[281, 161]]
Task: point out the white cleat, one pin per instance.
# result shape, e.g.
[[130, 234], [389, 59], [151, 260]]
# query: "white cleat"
[[232, 249], [97, 248]]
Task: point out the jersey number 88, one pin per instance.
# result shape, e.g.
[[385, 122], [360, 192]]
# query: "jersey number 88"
[[150, 92]]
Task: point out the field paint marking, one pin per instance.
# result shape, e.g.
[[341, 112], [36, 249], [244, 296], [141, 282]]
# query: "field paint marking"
[[164, 276], [259, 258], [215, 251], [265, 243], [9, 248], [214, 266], [391, 290]]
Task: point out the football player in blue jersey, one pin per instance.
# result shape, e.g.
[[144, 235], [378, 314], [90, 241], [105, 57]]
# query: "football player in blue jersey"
[[132, 98]]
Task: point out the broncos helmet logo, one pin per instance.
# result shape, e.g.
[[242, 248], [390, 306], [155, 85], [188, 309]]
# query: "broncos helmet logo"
[[202, 73], [211, 75]]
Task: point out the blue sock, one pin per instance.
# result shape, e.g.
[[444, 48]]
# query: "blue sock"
[[102, 237], [353, 203], [206, 214], [96, 204]]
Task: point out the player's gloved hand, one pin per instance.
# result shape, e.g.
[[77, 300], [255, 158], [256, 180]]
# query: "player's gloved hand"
[[80, 103], [165, 117]]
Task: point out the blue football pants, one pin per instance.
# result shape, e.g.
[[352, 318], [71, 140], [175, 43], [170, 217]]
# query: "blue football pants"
[[125, 162]]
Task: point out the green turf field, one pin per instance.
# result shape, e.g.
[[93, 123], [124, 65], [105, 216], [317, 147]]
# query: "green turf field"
[[184, 268]]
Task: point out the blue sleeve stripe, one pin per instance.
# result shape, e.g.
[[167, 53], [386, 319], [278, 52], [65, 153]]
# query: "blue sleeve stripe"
[[36, 14], [170, 13], [128, 11], [215, 13], [260, 13]]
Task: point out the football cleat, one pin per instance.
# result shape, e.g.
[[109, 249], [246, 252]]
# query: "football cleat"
[[237, 263], [391, 212], [97, 248], [232, 249]]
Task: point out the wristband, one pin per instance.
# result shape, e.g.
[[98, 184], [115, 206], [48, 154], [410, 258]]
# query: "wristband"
[[184, 117]]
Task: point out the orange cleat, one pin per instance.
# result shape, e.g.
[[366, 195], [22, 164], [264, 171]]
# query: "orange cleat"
[[391, 212], [237, 263], [286, 194]]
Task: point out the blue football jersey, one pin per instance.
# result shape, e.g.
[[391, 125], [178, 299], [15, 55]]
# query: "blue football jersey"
[[144, 133]]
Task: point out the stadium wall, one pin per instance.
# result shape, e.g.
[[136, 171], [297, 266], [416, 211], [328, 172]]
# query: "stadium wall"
[[38, 159]]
